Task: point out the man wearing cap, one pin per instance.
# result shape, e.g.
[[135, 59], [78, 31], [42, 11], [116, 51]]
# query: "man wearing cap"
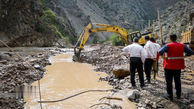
[[173, 63], [137, 58]]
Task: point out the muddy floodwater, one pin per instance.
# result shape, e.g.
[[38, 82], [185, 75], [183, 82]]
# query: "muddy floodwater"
[[65, 78]]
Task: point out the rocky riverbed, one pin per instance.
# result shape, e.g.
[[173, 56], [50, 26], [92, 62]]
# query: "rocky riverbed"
[[16, 74], [106, 58]]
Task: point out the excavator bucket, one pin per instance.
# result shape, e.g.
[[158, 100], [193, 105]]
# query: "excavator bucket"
[[76, 56], [82, 40]]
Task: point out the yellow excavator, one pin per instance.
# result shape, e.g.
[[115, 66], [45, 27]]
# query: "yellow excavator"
[[188, 36], [125, 37]]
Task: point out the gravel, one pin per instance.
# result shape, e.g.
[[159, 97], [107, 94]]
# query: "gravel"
[[107, 57]]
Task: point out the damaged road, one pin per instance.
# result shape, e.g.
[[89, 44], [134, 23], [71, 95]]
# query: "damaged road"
[[106, 58]]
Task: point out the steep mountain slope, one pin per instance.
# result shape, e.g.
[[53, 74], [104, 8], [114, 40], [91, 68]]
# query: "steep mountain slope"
[[175, 19], [20, 24], [43, 22], [129, 14]]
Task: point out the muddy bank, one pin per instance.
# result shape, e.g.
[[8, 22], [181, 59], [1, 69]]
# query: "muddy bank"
[[64, 78], [16, 74], [106, 58]]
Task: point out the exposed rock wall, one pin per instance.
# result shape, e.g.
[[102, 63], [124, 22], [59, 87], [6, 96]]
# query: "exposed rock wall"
[[20, 20], [175, 19], [20, 24], [69, 16], [129, 14]]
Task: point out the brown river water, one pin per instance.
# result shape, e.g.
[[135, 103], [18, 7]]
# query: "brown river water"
[[65, 78]]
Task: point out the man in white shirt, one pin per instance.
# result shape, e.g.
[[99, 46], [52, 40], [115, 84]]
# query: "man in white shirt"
[[137, 58], [151, 51], [155, 64]]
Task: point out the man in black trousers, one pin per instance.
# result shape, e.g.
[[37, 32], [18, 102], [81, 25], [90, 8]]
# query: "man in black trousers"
[[151, 51], [137, 58], [173, 63]]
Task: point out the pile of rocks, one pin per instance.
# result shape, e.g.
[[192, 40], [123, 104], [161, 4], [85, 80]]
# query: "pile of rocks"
[[105, 57], [14, 73]]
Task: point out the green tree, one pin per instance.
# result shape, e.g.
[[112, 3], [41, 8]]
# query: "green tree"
[[44, 4], [116, 40], [49, 17], [95, 40]]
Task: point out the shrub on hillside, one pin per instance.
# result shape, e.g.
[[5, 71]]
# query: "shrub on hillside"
[[116, 40]]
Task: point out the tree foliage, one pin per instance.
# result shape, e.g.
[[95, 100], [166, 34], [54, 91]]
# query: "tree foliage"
[[95, 40], [49, 17], [116, 40]]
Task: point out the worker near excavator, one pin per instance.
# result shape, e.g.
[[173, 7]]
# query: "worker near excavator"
[[137, 58], [173, 63], [155, 64], [151, 51]]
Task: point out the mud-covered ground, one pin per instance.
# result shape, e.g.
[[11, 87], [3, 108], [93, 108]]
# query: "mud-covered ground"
[[106, 58], [15, 74]]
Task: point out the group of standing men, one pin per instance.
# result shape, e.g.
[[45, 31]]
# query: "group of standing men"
[[147, 56]]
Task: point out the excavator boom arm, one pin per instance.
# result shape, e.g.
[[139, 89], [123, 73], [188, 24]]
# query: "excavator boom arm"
[[115, 29], [102, 28]]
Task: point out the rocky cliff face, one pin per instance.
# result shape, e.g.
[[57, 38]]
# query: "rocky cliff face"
[[129, 14], [69, 16], [20, 24], [175, 19]]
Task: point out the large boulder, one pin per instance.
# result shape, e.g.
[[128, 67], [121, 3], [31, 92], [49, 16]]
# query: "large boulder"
[[133, 94]]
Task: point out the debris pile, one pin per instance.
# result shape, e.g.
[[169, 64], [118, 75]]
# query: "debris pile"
[[106, 58], [14, 73]]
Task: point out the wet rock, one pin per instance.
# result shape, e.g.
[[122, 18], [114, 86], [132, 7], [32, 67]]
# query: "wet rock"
[[3, 62], [154, 105], [133, 94], [114, 106], [147, 101], [140, 104], [191, 97], [141, 108], [15, 73], [121, 73], [4, 57], [191, 106], [122, 81], [37, 66], [115, 80]]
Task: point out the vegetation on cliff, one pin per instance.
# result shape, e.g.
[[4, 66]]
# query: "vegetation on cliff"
[[50, 19]]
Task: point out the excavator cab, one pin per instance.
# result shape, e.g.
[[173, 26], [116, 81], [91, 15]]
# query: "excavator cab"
[[133, 35]]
